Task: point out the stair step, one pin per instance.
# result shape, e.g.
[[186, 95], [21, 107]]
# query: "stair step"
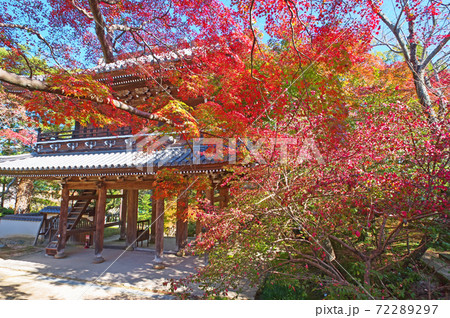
[[51, 248]]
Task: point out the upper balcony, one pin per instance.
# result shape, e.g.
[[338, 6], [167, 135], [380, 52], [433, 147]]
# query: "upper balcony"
[[83, 140]]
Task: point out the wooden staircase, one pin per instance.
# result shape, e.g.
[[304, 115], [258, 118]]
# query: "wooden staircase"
[[74, 216], [79, 208]]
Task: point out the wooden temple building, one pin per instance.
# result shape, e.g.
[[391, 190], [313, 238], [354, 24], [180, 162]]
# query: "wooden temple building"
[[90, 161]]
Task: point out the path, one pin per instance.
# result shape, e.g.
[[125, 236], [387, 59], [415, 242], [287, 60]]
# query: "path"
[[124, 275]]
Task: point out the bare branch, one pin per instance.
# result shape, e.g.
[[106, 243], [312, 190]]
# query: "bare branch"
[[82, 10], [291, 21], [254, 40], [28, 63], [9, 186], [436, 50], [30, 30], [394, 29]]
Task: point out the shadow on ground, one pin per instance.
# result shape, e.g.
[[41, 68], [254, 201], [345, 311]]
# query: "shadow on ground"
[[13, 291]]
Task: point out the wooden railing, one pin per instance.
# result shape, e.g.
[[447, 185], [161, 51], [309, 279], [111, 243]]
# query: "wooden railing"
[[143, 232], [83, 140], [82, 133]]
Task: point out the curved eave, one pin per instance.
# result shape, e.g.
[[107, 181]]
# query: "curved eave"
[[59, 173]]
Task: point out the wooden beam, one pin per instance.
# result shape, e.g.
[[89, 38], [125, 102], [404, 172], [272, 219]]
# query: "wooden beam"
[[181, 234], [93, 197], [159, 238], [82, 185], [132, 211], [123, 215], [100, 223], [130, 185], [62, 231]]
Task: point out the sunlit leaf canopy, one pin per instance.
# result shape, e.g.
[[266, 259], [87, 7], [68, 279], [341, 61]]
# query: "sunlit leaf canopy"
[[228, 65]]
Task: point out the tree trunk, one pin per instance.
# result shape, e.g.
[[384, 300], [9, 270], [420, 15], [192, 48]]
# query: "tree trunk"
[[102, 32], [23, 197], [424, 97]]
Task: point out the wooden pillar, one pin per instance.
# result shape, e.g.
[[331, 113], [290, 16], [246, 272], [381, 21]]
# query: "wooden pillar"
[[62, 231], [123, 215], [153, 224], [159, 230], [100, 223], [181, 234], [224, 197], [132, 211], [210, 195], [198, 228]]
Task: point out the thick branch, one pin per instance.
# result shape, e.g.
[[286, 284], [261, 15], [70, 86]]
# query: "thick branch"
[[35, 85], [415, 254], [110, 2], [350, 248], [100, 27]]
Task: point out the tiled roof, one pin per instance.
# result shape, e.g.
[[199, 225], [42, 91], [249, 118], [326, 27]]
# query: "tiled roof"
[[51, 209], [175, 156], [146, 59], [30, 217]]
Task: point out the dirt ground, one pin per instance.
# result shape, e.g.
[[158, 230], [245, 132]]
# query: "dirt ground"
[[27, 273]]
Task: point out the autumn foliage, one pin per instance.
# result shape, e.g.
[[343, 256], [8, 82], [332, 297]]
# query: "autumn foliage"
[[361, 187]]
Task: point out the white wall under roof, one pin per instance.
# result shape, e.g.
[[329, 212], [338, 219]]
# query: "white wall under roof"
[[9, 228]]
